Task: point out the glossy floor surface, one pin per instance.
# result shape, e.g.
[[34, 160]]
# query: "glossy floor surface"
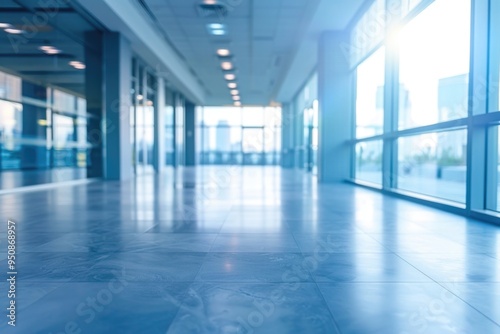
[[245, 250]]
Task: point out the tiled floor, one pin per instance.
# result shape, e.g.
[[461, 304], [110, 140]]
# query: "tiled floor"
[[253, 250]]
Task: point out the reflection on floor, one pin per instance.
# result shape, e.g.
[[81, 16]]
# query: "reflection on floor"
[[16, 178], [253, 250]]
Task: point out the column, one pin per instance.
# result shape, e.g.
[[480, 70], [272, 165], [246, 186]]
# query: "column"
[[336, 100], [108, 80], [159, 149], [189, 134]]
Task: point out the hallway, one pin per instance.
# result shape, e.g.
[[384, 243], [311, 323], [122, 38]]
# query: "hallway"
[[246, 250]]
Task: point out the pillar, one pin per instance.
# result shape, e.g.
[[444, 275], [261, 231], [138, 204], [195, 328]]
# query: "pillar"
[[336, 101], [189, 134], [108, 79], [159, 149]]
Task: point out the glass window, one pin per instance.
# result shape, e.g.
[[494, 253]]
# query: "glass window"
[[493, 200], [368, 32], [434, 164], [408, 5], [494, 64], [63, 101], [369, 161], [253, 140], [64, 130], [10, 134], [434, 64], [253, 116], [497, 170], [370, 95], [228, 133], [10, 87], [273, 116], [81, 106], [64, 137]]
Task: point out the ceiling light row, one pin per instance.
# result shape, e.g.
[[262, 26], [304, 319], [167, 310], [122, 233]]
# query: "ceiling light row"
[[9, 28], [227, 65]]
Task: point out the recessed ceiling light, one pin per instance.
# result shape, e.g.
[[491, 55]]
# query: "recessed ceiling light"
[[77, 64], [236, 98], [5, 25], [52, 51], [230, 77], [46, 47], [232, 85], [13, 31], [223, 52], [216, 26], [237, 103], [218, 32], [227, 65], [235, 92]]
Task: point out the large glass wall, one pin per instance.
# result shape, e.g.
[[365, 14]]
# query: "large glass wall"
[[41, 128], [368, 161], [370, 80], [370, 95], [247, 135], [434, 164], [493, 165], [434, 52], [434, 59], [428, 56], [493, 119]]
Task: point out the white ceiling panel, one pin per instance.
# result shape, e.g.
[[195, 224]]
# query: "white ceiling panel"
[[263, 35]]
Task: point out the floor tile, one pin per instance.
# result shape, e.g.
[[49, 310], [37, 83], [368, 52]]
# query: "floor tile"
[[253, 308], [255, 243], [254, 267], [381, 308]]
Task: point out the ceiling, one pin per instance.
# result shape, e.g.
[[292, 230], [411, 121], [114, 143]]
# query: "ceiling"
[[58, 25], [273, 42], [265, 37]]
